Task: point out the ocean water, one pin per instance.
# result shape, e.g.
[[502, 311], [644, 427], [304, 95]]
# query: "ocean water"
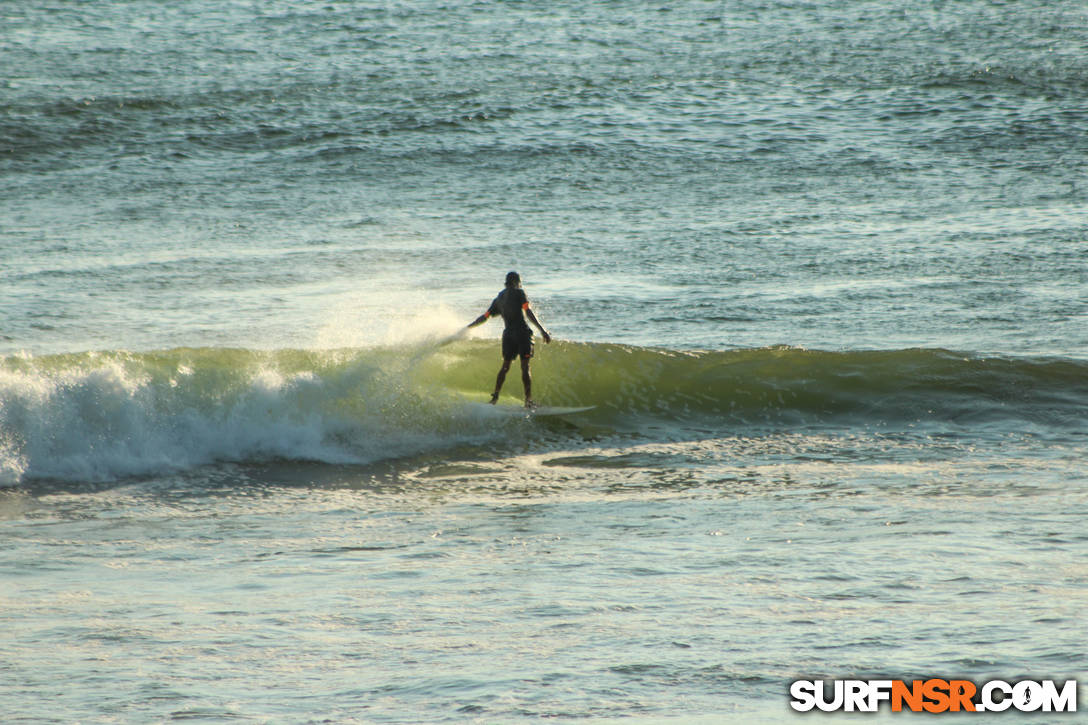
[[820, 266]]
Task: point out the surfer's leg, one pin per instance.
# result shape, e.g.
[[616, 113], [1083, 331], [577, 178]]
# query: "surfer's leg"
[[527, 381], [500, 380]]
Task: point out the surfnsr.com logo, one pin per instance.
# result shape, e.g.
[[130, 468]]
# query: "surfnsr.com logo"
[[933, 695]]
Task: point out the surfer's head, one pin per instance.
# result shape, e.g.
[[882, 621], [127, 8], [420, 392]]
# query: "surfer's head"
[[513, 279]]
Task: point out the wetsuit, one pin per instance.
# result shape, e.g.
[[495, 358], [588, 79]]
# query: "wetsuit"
[[517, 338]]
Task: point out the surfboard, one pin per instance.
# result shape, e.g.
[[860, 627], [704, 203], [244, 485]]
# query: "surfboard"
[[541, 411], [546, 410]]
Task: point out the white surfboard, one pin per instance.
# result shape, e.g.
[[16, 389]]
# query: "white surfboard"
[[546, 410], [541, 411]]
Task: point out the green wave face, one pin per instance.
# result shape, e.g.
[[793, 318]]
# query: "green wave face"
[[789, 385]]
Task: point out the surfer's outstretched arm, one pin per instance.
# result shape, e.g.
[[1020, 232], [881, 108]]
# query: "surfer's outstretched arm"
[[479, 320], [532, 318]]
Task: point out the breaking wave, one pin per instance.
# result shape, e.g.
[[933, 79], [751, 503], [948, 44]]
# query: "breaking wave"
[[102, 416]]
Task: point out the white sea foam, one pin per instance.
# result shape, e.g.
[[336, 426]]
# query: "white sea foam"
[[104, 418]]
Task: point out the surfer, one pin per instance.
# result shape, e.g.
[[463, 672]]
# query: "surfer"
[[517, 338]]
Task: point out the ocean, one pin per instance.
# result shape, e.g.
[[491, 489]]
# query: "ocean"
[[819, 266]]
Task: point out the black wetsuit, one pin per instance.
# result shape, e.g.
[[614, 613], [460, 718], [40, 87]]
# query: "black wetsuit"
[[517, 338]]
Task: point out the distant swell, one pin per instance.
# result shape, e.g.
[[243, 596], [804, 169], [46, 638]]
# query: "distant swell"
[[105, 416]]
